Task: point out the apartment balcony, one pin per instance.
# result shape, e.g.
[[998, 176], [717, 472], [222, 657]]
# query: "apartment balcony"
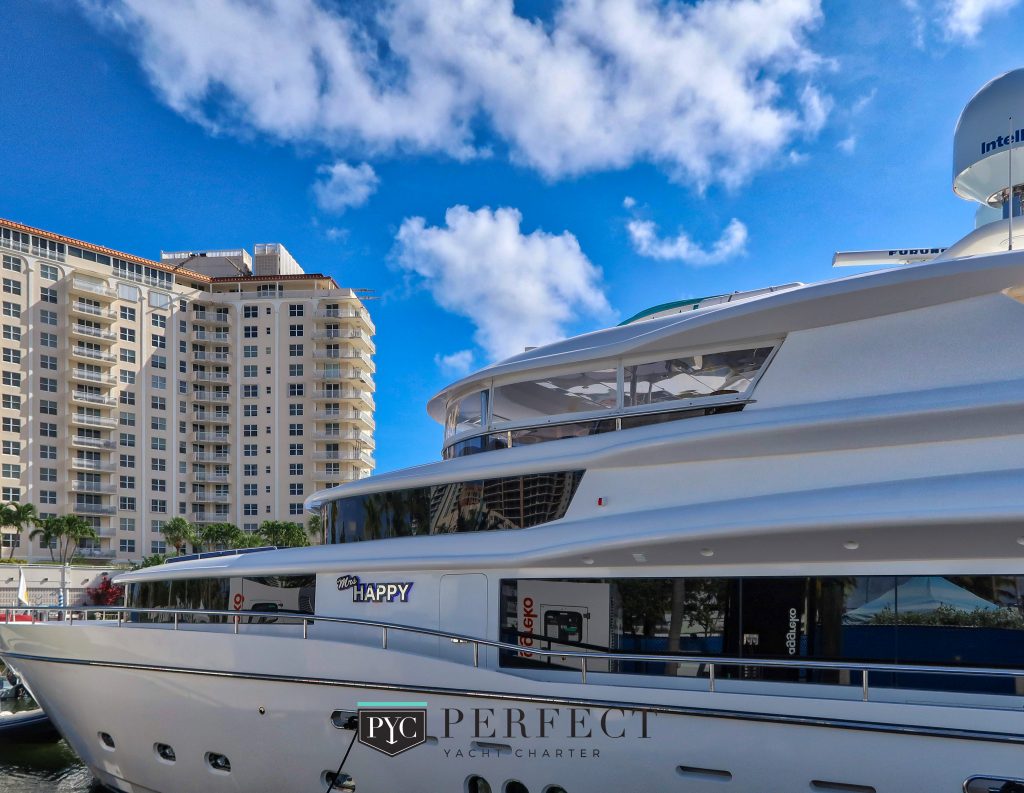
[[342, 372], [362, 417], [81, 464], [211, 377], [97, 553], [93, 289], [204, 355], [92, 443], [352, 335], [211, 396], [94, 509], [329, 476], [90, 376], [78, 329], [202, 518], [209, 316], [202, 476], [208, 335], [83, 420], [211, 498], [210, 457], [78, 486], [352, 356], [212, 437], [345, 455], [349, 436], [90, 354], [88, 398], [91, 311], [205, 415], [342, 313]]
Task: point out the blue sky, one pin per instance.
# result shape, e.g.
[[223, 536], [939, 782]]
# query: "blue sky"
[[471, 162]]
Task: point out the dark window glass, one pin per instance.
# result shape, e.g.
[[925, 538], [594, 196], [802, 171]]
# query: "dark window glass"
[[272, 594], [516, 502]]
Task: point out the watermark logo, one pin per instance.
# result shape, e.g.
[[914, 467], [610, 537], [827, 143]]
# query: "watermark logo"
[[392, 727]]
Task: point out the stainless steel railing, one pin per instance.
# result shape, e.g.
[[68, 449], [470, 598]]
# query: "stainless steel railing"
[[710, 662]]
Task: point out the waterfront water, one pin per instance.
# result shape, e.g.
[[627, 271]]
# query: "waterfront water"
[[44, 768]]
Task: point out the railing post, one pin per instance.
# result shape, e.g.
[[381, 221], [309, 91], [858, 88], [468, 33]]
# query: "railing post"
[[711, 678], [864, 684], [384, 638], [305, 628], [236, 624], [476, 653], [175, 620], [71, 618], [583, 669], [120, 619]]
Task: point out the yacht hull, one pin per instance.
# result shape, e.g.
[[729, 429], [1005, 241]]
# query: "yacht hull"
[[269, 711]]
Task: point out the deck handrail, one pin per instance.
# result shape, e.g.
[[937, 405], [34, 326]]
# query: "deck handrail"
[[711, 661]]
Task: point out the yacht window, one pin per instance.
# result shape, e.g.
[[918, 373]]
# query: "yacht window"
[[465, 414], [578, 392], [730, 372], [513, 502], [272, 594]]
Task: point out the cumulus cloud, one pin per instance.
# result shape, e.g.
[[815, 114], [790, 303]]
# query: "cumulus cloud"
[[646, 242], [848, 145], [963, 19], [344, 186], [629, 202], [711, 91], [956, 20], [519, 290], [455, 364]]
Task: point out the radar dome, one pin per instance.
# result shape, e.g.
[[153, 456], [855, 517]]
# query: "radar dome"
[[984, 138]]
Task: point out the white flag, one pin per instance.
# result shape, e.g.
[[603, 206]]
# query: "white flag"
[[22, 588]]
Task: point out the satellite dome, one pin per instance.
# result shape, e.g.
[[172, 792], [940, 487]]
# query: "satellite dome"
[[990, 127]]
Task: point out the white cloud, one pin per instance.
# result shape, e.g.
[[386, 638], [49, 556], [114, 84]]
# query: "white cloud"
[[848, 145], [646, 242], [956, 20], [518, 289], [629, 202], [711, 91], [455, 364], [963, 19], [344, 186]]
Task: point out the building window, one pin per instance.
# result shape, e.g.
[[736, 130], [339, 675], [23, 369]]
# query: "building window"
[[13, 310], [47, 429], [295, 429], [10, 494], [250, 370], [158, 361], [295, 469], [48, 497], [11, 424], [47, 294], [127, 335], [126, 482], [47, 452], [250, 391], [48, 407], [158, 505], [250, 509], [158, 423], [158, 464], [48, 339], [12, 379], [127, 397], [249, 411], [294, 449], [158, 342], [295, 409], [159, 320], [126, 356], [295, 350], [295, 488], [158, 547], [12, 401], [12, 286], [126, 524], [295, 508], [47, 474], [12, 263], [48, 384], [12, 355], [47, 317], [250, 312], [250, 332], [158, 486], [48, 272], [158, 381], [297, 389], [250, 450], [10, 471], [295, 330], [128, 315], [249, 431], [12, 332], [48, 362], [12, 447], [126, 418], [158, 444], [127, 460], [250, 351], [249, 490], [127, 439], [127, 546], [127, 376], [158, 403], [250, 469]]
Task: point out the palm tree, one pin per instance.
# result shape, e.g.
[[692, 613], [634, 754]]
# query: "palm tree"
[[19, 517], [70, 530], [222, 534], [178, 533], [48, 532]]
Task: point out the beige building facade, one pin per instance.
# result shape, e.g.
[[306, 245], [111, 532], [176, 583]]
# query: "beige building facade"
[[200, 385]]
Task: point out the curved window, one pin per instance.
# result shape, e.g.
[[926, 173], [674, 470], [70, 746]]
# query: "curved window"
[[465, 414], [514, 502], [295, 594], [731, 372], [578, 392]]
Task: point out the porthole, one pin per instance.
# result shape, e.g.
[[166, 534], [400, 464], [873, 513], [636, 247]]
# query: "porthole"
[[554, 789], [218, 762], [107, 741], [477, 784], [332, 781], [512, 786], [165, 752]]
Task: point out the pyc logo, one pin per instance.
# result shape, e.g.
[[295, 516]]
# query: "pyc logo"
[[392, 727]]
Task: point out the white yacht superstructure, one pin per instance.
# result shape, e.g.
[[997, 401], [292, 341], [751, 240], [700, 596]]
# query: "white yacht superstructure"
[[768, 542]]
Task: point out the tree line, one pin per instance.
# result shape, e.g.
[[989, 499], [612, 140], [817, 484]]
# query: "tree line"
[[64, 534]]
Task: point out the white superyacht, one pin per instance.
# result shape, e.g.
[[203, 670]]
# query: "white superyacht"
[[770, 541]]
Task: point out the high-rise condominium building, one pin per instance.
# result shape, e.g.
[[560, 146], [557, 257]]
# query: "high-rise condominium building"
[[205, 385]]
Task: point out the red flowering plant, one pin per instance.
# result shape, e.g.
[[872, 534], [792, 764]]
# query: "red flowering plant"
[[106, 593]]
